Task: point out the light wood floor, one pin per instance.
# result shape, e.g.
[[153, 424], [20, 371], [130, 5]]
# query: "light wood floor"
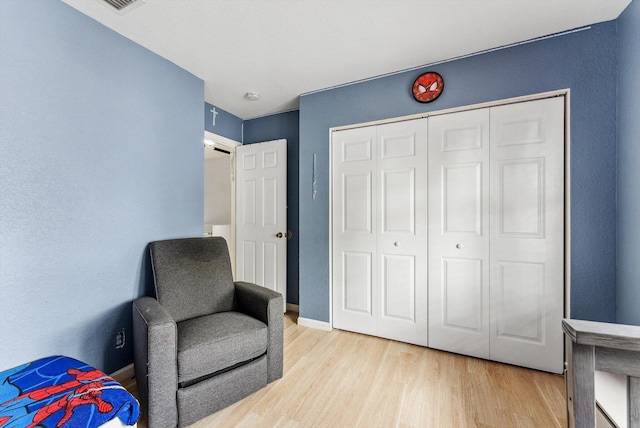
[[343, 379]]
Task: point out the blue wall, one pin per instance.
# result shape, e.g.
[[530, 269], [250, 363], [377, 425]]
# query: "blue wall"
[[275, 127], [583, 61], [628, 162], [222, 122], [101, 153]]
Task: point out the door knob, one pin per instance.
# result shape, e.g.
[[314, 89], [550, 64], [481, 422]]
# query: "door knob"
[[279, 235], [459, 246]]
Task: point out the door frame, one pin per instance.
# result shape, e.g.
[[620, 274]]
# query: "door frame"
[[567, 177], [224, 143]]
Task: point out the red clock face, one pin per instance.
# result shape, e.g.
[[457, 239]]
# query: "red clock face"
[[427, 87]]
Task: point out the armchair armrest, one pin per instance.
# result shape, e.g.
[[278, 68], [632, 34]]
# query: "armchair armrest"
[[267, 306], [155, 361]]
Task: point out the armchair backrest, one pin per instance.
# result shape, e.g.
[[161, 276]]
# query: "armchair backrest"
[[192, 276]]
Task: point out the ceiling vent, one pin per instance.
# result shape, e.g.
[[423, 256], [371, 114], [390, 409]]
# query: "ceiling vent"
[[123, 6]]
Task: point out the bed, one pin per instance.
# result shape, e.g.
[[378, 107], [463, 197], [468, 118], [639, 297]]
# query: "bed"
[[59, 391]]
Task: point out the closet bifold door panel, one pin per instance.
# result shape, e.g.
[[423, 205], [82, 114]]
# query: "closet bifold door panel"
[[527, 234], [379, 230], [402, 231], [496, 233], [459, 232], [354, 220]]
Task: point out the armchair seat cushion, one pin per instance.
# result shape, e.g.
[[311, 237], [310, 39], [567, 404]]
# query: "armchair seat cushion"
[[212, 343]]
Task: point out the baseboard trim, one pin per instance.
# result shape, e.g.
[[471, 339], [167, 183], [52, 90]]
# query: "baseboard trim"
[[293, 308], [318, 325], [124, 374]]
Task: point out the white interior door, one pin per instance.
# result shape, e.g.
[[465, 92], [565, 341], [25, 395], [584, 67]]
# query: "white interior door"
[[379, 230], [459, 232], [527, 233], [261, 209]]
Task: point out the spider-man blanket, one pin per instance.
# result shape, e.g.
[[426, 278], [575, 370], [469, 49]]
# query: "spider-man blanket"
[[60, 391]]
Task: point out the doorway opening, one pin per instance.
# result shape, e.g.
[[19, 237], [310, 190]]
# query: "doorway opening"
[[219, 190]]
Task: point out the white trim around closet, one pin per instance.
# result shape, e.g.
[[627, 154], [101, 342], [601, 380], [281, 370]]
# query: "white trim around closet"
[[533, 97]]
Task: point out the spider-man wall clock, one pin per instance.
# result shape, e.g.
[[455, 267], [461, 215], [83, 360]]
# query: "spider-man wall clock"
[[427, 87]]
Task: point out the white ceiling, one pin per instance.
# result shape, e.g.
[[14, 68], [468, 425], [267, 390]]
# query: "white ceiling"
[[284, 48]]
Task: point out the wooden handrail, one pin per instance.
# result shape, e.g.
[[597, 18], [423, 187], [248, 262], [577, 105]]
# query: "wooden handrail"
[[600, 346]]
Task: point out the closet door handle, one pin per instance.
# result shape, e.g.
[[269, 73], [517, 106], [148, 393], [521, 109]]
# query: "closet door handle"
[[459, 246], [279, 235]]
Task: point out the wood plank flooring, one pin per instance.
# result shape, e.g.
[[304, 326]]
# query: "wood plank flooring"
[[343, 379]]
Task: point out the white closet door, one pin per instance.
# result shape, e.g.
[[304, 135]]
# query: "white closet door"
[[379, 231], [354, 219], [527, 233], [402, 231], [496, 233], [459, 232]]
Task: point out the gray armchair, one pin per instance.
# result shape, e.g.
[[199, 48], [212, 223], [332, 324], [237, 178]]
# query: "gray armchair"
[[205, 342]]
